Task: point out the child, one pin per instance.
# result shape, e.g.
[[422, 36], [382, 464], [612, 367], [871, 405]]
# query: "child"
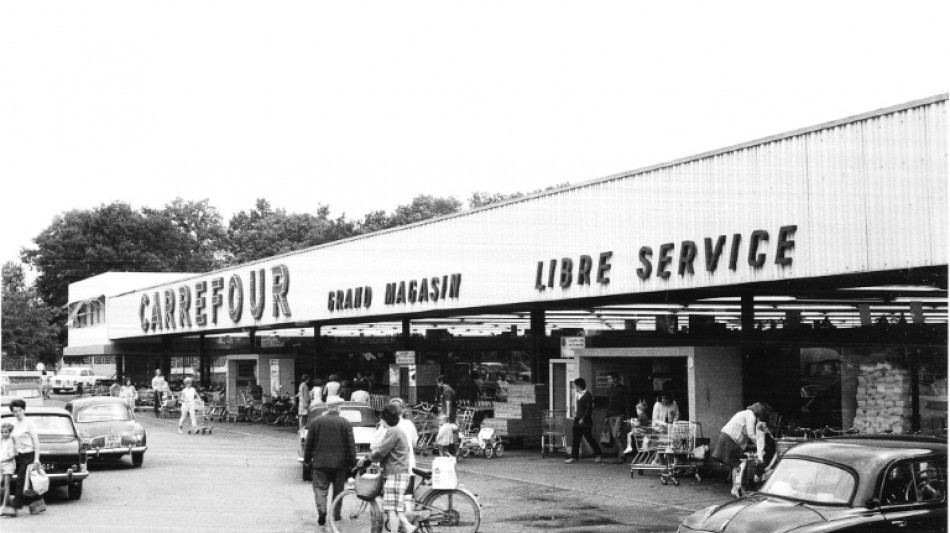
[[641, 421], [447, 435], [7, 466]]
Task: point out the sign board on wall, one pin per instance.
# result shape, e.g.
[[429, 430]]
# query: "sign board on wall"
[[406, 357], [569, 345], [600, 379]]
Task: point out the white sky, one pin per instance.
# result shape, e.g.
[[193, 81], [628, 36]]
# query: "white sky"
[[364, 105]]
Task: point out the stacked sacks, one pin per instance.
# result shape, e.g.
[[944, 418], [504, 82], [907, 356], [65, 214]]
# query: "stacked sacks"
[[520, 416], [883, 398]]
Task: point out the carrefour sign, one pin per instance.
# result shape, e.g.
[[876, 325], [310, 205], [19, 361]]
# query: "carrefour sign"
[[202, 304]]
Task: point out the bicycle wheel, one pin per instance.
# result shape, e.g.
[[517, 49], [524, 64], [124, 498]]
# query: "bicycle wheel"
[[270, 416], [254, 413], [355, 515], [452, 510]]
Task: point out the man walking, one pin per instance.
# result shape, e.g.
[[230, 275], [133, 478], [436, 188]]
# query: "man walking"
[[330, 451], [445, 398], [583, 422], [158, 385], [618, 411]]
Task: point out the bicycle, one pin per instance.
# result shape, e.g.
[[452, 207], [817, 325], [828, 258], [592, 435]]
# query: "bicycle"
[[434, 510], [282, 411], [252, 407]]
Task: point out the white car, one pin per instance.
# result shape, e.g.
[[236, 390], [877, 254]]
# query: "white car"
[[68, 379], [360, 416]]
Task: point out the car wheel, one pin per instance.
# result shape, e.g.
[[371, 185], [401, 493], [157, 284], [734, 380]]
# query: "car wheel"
[[74, 490], [138, 458], [307, 473]]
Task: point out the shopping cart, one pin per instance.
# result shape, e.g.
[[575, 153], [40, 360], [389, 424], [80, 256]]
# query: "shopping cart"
[[668, 450], [552, 433]]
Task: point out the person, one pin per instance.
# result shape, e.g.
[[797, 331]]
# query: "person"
[[332, 387], [346, 390], [488, 390], [360, 395], [158, 387], [330, 451], [465, 389], [128, 393], [445, 439], [44, 383], [618, 411], [412, 436], [303, 400], [501, 387], [26, 440], [393, 454], [115, 387], [445, 398], [187, 400], [256, 391], [583, 423], [637, 425], [316, 393], [7, 466], [737, 436], [361, 382], [665, 410]]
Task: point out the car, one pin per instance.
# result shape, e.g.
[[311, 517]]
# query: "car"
[[866, 483], [108, 428], [360, 415], [69, 379], [28, 386], [61, 449]]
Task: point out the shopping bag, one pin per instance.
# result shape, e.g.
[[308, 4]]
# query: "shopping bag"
[[369, 486], [444, 476], [605, 438], [37, 482]]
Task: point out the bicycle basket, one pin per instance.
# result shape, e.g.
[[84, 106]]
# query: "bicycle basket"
[[369, 486]]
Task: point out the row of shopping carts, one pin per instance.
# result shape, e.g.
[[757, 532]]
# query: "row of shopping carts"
[[472, 440], [672, 450]]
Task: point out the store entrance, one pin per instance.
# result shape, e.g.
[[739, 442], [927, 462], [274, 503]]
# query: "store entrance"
[[645, 378]]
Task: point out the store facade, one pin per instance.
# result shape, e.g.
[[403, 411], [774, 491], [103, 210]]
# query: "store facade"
[[815, 213]]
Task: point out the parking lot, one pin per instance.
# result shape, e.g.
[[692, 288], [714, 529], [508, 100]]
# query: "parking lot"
[[245, 477]]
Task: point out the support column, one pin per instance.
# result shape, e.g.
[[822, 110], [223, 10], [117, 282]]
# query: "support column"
[[539, 359], [166, 358], [252, 340], [317, 350], [747, 308], [406, 345], [203, 363]]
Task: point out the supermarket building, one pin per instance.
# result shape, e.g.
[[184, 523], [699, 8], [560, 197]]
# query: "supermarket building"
[[795, 269]]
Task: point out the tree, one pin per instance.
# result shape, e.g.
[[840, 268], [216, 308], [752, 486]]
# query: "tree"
[[30, 331], [264, 231], [110, 238], [481, 199], [201, 226], [423, 207]]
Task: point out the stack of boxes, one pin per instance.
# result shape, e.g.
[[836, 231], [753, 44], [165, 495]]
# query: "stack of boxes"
[[520, 416], [883, 399]]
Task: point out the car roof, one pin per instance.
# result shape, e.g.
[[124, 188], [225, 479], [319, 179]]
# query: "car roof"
[[868, 452], [343, 405], [30, 411], [96, 400]]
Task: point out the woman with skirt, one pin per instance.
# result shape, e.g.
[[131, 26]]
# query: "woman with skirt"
[[737, 436], [26, 440]]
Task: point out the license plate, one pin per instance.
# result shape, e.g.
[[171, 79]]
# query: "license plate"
[[112, 441]]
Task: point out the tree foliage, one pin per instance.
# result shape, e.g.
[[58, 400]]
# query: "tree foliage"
[[115, 238], [421, 208], [264, 231], [30, 328]]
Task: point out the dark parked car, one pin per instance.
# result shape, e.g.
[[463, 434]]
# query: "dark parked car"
[[61, 450], [108, 428], [361, 417], [865, 483]]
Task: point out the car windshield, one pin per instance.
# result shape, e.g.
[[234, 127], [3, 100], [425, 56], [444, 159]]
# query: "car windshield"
[[50, 424], [100, 413], [68, 372], [811, 481]]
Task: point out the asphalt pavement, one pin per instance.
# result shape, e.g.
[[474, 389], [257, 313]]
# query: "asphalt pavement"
[[245, 477]]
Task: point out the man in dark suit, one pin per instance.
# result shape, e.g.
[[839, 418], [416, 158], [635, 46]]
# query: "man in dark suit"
[[330, 451]]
